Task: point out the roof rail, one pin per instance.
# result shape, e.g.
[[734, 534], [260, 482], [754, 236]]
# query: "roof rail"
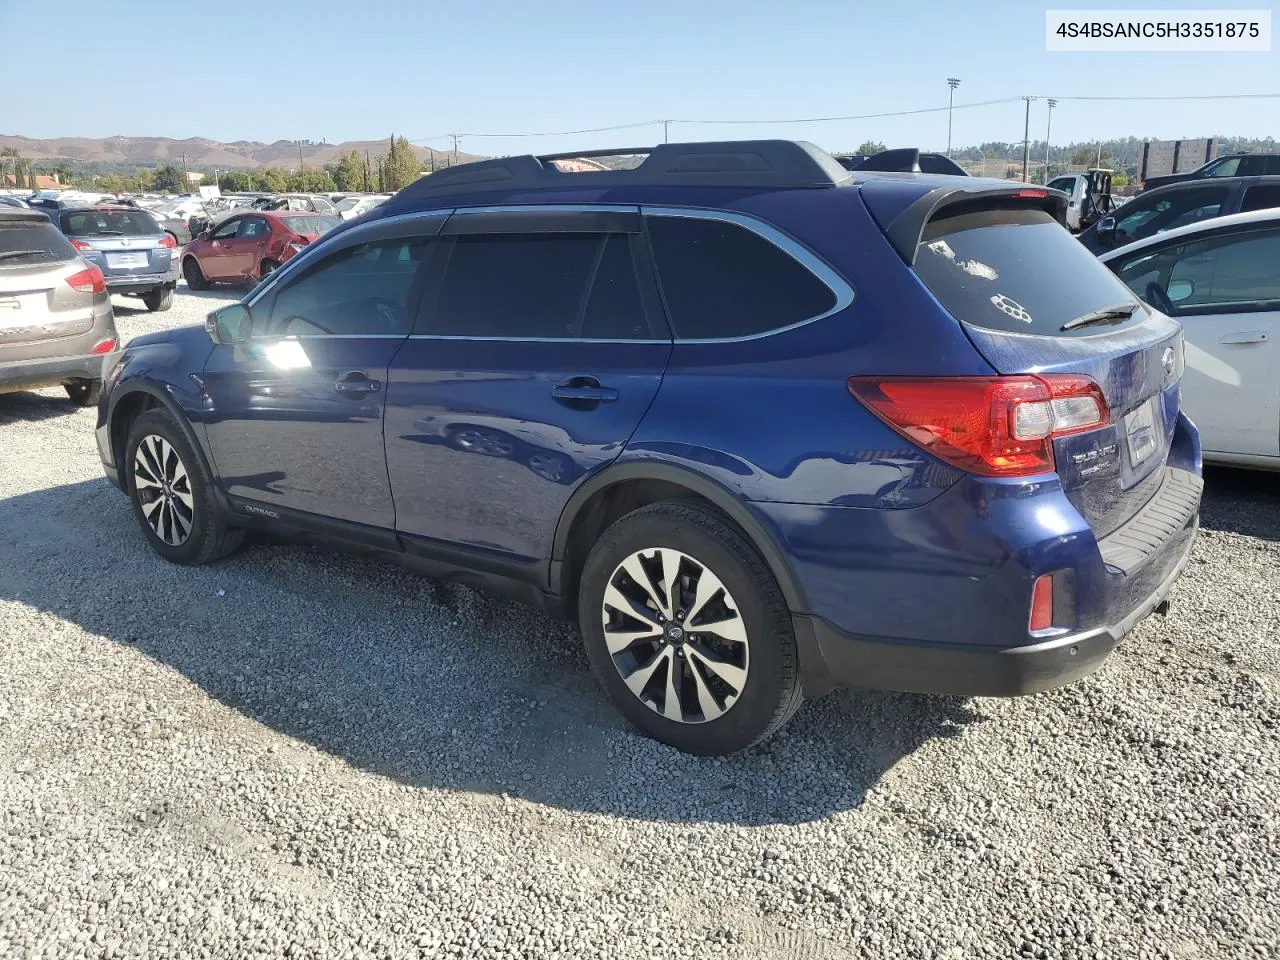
[[774, 164]]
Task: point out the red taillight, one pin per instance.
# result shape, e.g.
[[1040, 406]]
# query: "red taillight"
[[168, 242], [104, 346], [992, 426], [89, 280], [1032, 194], [1041, 604], [81, 246]]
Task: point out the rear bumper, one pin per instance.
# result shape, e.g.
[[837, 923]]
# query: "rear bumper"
[[26, 374], [979, 671], [141, 282]]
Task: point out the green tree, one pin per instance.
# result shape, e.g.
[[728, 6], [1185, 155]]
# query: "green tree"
[[401, 167], [236, 181], [271, 180], [168, 179], [311, 181], [871, 147], [348, 172]]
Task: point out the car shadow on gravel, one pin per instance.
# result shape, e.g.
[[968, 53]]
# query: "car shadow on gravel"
[[29, 407], [1241, 501], [429, 684]]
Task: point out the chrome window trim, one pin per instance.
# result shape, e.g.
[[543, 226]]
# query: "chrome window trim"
[[822, 270], [355, 233], [442, 336]]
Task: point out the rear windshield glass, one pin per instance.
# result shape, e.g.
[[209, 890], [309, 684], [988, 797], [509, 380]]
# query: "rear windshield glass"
[[109, 223], [1018, 271], [310, 224], [23, 243]]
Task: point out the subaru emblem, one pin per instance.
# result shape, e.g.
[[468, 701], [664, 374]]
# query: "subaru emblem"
[[124, 241], [1168, 363]]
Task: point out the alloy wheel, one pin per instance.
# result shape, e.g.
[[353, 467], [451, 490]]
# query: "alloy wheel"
[[163, 489], [676, 635]]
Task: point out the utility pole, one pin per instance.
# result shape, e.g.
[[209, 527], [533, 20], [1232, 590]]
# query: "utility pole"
[[455, 148], [1026, 140], [665, 137], [952, 82], [301, 166], [366, 171], [1047, 127], [184, 171]]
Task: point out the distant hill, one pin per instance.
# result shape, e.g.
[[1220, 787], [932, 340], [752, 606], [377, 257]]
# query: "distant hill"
[[201, 154]]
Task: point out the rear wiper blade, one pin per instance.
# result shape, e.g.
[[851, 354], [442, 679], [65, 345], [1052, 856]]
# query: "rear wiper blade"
[[109, 233], [11, 254], [1121, 311]]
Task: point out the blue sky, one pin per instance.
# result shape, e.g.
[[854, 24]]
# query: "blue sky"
[[263, 71]]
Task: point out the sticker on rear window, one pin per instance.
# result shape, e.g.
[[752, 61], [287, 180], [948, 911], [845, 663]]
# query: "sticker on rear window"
[[975, 268], [1012, 307]]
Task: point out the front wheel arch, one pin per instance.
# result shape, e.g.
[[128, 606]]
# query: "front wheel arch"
[[133, 403]]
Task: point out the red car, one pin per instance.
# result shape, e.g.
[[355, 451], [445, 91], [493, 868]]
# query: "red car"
[[249, 245]]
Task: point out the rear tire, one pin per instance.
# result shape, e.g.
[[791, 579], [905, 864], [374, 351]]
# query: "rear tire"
[[158, 300], [172, 493], [709, 691], [83, 393], [193, 274]]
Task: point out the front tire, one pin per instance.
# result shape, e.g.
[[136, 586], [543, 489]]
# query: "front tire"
[[194, 275], [172, 494], [83, 393], [159, 299], [687, 630]]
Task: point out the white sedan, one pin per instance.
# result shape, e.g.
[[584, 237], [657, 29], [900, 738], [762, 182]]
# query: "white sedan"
[[1221, 279]]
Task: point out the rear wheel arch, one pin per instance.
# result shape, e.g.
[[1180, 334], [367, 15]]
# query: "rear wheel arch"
[[621, 489]]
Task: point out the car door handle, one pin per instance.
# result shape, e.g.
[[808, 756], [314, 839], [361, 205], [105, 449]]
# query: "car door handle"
[[357, 382], [583, 390], [1245, 336]]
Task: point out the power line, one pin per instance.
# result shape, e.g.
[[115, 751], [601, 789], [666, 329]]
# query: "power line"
[[863, 116], [1206, 96]]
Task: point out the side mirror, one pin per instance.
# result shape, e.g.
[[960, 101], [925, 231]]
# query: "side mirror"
[[1179, 290], [1107, 225], [230, 324]]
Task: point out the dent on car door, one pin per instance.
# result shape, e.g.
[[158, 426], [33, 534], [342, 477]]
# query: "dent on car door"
[[1225, 290], [214, 258]]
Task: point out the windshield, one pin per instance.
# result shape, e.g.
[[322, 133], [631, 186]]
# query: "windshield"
[[309, 225], [109, 223], [1017, 271]]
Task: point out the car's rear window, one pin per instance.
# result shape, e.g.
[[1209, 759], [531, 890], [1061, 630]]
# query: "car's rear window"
[[1016, 270], [109, 223], [26, 242], [309, 225]]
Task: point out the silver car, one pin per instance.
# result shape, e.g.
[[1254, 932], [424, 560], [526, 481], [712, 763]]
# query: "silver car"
[[135, 254], [56, 325]]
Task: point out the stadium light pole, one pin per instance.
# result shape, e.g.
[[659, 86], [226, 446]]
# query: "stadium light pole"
[[952, 82], [1026, 140], [1047, 127]]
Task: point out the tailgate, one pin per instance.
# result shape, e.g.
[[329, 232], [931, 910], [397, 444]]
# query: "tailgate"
[[1033, 301]]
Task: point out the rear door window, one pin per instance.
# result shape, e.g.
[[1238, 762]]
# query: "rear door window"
[[1261, 197], [1016, 271], [540, 286], [108, 223], [27, 242], [721, 280], [1174, 209]]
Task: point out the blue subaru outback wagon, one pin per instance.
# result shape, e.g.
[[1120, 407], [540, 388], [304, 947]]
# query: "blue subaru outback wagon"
[[764, 427]]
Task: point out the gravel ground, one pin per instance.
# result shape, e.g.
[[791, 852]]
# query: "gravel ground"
[[299, 753]]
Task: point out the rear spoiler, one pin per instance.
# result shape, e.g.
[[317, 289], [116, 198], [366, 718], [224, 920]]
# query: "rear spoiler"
[[908, 227]]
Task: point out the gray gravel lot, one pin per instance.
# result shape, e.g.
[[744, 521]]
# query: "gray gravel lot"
[[300, 753]]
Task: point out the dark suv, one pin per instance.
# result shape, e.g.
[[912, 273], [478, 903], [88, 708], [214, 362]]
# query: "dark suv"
[[761, 425], [1180, 204]]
